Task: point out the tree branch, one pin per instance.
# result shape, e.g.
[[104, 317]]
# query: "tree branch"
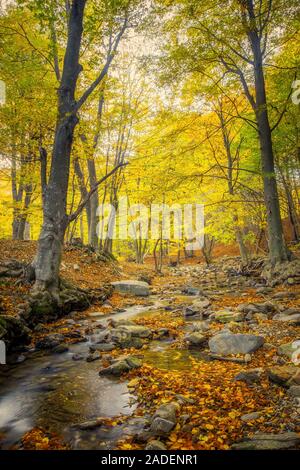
[[81, 206]]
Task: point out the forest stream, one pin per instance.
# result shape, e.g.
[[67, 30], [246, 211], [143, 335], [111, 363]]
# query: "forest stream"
[[55, 392]]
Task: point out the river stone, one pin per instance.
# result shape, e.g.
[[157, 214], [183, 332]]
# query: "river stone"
[[167, 411], [102, 347], [289, 349], [230, 343], [284, 295], [155, 445], [191, 290], [264, 307], [284, 375], [294, 391], [50, 341], [93, 356], [161, 426], [13, 331], [60, 348], [250, 376], [121, 366], [133, 287], [291, 319], [137, 330], [78, 357], [226, 316], [263, 441], [195, 339], [92, 424]]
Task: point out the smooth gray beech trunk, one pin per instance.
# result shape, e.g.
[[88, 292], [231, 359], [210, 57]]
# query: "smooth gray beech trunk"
[[55, 219]]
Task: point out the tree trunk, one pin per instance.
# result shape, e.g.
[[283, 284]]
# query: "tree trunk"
[[277, 247], [55, 219], [278, 251], [94, 203]]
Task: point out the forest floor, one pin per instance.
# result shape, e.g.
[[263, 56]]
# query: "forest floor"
[[185, 394]]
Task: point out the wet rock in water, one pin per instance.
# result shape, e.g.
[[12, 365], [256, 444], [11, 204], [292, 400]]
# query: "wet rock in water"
[[116, 323], [195, 339], [226, 316], [121, 366], [286, 375], [294, 391], [229, 343], [155, 445], [88, 425], [94, 356], [264, 441], [137, 330], [162, 332], [102, 347], [78, 357], [133, 287], [60, 348], [251, 416], [50, 341]]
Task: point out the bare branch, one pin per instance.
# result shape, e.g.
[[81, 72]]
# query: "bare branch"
[[81, 206]]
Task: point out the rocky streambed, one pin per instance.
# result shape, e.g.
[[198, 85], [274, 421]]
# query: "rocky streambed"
[[235, 334]]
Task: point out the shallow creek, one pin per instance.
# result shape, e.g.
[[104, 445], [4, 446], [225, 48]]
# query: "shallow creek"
[[54, 392]]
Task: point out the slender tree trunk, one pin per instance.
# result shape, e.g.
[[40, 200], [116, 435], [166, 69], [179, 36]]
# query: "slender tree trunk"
[[230, 161], [55, 219], [94, 203]]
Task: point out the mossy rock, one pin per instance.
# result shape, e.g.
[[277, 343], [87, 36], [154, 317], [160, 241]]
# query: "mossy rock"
[[14, 332]]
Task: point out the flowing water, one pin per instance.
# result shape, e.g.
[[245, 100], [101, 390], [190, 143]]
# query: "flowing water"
[[54, 392]]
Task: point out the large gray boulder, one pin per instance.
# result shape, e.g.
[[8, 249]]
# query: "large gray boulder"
[[132, 287], [263, 441], [230, 343]]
